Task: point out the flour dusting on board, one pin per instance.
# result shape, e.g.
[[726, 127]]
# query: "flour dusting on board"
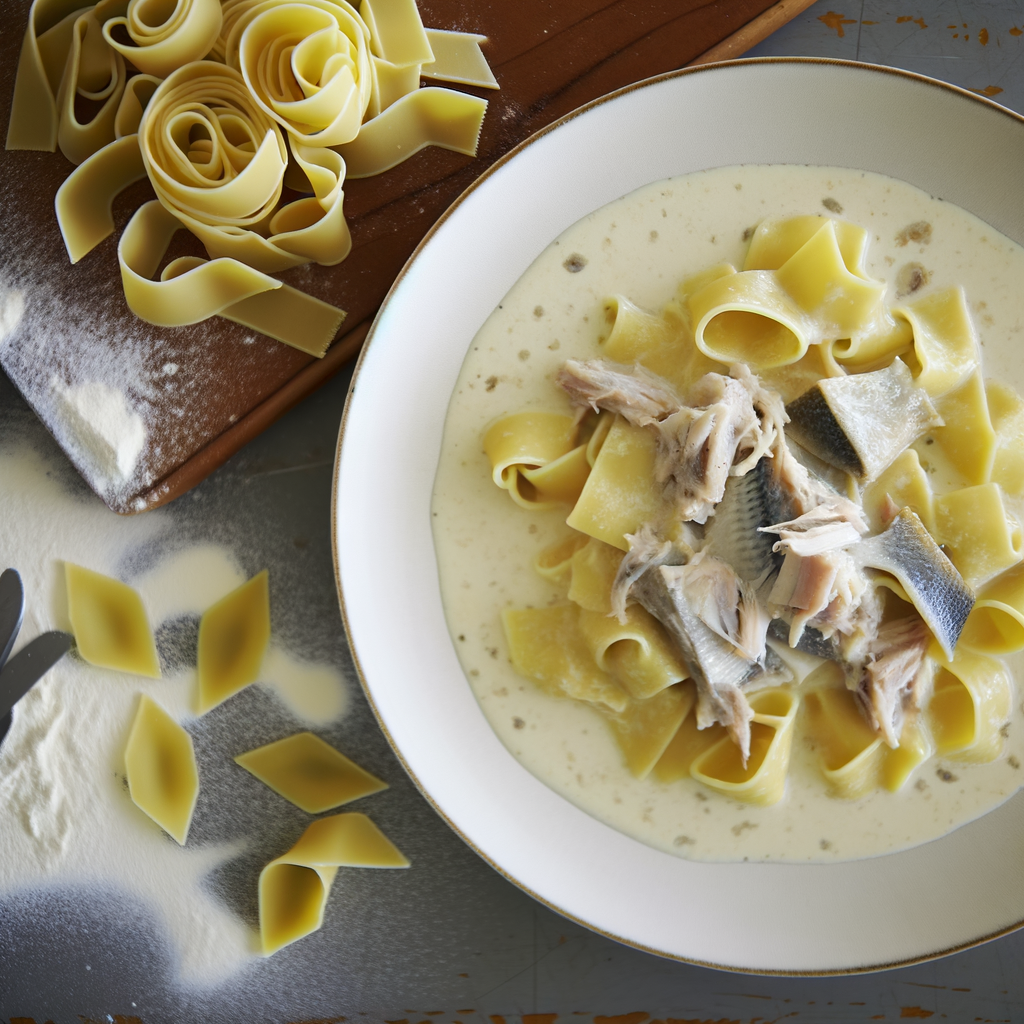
[[65, 813]]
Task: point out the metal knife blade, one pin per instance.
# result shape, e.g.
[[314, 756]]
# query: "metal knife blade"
[[32, 662], [12, 610]]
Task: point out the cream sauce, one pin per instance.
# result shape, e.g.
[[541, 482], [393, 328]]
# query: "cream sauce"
[[641, 246]]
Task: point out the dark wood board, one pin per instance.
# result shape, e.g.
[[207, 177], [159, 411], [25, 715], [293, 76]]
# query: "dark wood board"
[[203, 391]]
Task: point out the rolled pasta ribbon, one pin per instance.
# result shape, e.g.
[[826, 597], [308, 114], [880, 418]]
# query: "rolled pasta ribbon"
[[165, 36], [645, 728], [996, 623], [426, 117], [191, 289], [945, 345], [547, 646], [636, 654], [217, 162], [534, 456], [63, 54], [397, 32], [969, 706], [134, 100], [763, 780], [307, 65], [555, 562], [775, 240], [905, 483], [593, 569], [84, 200], [687, 744], [294, 887]]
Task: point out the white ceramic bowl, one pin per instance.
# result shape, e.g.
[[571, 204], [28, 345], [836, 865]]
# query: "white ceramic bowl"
[[860, 915]]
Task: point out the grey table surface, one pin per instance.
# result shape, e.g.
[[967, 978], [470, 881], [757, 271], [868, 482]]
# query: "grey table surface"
[[453, 940]]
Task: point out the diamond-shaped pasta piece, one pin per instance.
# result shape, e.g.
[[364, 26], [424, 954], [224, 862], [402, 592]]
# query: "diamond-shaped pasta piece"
[[233, 637], [295, 886], [310, 773], [161, 767], [109, 622]]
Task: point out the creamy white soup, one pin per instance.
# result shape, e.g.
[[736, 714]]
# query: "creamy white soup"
[[641, 247]]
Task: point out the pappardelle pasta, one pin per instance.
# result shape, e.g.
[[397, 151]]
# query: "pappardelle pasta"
[[758, 552]]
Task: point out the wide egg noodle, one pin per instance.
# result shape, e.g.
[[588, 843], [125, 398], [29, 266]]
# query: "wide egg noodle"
[[905, 483], [63, 54], [426, 117], [134, 100], [980, 537], [547, 646], [164, 36], [945, 345], [1006, 413], [84, 200], [687, 744], [620, 494], [592, 572], [966, 438], [996, 623], [458, 58], [555, 562], [970, 705], [293, 888], [161, 770], [763, 780], [534, 456], [644, 728], [636, 653]]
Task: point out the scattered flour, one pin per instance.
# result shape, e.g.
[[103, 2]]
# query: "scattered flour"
[[109, 433], [65, 814]]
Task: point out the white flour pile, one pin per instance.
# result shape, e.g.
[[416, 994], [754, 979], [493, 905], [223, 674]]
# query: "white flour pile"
[[110, 433], [65, 815]]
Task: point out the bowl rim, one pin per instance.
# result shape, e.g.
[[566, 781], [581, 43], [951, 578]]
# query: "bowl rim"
[[359, 365]]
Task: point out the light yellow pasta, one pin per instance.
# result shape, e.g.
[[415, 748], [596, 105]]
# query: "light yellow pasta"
[[534, 456], [904, 483], [294, 887], [309, 772], [84, 200], [945, 346], [620, 494], [980, 537], [458, 58], [160, 766], [164, 35], [775, 240], [134, 100], [1006, 410], [996, 623], [109, 622], [555, 562], [547, 646], [593, 571], [850, 752], [636, 653], [969, 706], [397, 32], [687, 744], [967, 439], [233, 637], [763, 779], [646, 727]]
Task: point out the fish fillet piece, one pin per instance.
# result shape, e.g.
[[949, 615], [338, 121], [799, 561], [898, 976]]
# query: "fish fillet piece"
[[826, 527], [938, 592], [715, 666], [861, 422], [646, 551], [890, 677]]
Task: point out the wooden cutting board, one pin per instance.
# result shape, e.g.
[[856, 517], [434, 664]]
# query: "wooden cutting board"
[[203, 391]]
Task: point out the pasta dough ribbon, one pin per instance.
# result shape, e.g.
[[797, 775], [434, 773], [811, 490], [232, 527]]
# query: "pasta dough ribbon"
[[944, 341], [217, 162], [294, 887], [426, 117], [83, 202], [165, 35], [191, 289], [64, 55]]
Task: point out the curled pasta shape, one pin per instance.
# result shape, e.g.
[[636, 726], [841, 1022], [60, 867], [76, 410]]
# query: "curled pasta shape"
[[64, 55], [981, 538], [763, 779], [969, 706], [307, 65], [945, 345], [217, 162], [165, 36], [534, 456], [645, 728], [996, 623]]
